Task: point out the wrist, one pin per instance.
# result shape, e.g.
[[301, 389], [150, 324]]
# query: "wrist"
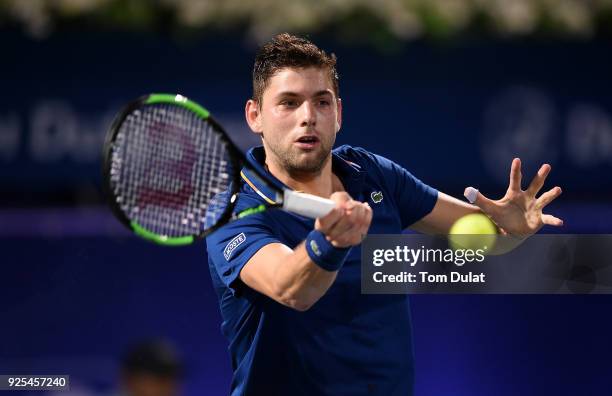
[[323, 253]]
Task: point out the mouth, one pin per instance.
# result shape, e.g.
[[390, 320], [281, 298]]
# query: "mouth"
[[307, 142]]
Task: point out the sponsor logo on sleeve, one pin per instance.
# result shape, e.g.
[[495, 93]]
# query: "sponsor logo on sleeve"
[[233, 244]]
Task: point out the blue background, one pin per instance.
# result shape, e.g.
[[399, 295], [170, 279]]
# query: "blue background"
[[76, 290]]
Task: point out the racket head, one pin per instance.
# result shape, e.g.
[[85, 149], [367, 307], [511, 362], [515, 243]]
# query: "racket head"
[[170, 172]]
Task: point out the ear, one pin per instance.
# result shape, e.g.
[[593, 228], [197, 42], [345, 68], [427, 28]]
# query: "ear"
[[253, 116], [339, 115]]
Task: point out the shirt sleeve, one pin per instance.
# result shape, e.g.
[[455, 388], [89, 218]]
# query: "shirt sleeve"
[[232, 246], [415, 199]]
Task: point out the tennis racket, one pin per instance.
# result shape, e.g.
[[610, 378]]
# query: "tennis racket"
[[172, 174]]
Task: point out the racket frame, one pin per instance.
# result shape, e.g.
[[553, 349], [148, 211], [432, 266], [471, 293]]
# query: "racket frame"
[[236, 157]]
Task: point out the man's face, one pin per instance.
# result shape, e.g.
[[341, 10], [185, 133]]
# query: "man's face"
[[299, 118]]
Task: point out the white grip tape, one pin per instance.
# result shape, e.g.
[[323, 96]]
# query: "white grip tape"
[[306, 205]]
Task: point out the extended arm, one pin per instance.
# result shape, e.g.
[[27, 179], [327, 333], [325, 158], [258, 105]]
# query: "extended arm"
[[446, 211], [518, 213], [289, 276]]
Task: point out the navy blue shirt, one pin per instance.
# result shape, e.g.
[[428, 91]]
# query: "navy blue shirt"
[[347, 343]]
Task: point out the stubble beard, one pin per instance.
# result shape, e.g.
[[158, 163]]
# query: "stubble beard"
[[290, 159]]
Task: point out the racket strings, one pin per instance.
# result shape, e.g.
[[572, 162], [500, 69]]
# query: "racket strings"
[[169, 169]]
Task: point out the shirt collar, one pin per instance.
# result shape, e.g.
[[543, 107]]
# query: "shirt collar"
[[349, 173]]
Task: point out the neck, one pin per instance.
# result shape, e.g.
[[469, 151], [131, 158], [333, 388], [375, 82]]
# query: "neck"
[[322, 183]]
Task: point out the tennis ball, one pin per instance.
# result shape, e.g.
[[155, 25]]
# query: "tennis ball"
[[474, 231]]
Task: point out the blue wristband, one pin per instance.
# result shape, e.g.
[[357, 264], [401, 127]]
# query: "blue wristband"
[[323, 253]]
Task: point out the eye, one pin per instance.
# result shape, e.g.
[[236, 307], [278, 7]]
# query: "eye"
[[324, 102], [289, 103]]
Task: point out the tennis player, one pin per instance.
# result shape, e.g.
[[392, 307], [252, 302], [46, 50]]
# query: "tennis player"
[[289, 287]]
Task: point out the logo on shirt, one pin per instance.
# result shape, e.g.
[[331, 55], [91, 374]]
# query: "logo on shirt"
[[376, 196], [233, 244]]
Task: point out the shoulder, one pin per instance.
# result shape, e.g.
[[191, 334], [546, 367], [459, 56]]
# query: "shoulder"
[[366, 160], [347, 152]]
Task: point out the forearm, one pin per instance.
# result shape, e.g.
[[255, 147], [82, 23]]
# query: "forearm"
[[300, 282], [288, 276], [445, 213], [300, 277]]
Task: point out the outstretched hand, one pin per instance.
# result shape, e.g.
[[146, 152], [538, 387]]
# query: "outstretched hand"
[[519, 212]]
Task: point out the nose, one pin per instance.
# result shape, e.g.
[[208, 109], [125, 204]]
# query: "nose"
[[308, 114]]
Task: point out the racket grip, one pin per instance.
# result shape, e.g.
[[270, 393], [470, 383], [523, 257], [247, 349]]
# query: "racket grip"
[[306, 205]]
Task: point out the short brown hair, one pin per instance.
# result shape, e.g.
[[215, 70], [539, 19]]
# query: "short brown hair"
[[286, 50]]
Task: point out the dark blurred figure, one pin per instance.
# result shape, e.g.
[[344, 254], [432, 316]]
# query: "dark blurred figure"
[[151, 368]]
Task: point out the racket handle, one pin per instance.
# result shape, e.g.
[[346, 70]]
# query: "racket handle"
[[306, 205]]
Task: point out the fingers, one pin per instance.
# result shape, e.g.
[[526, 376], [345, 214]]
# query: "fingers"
[[349, 229], [340, 197], [325, 223], [515, 175], [477, 198], [352, 225], [548, 197], [538, 180], [551, 220]]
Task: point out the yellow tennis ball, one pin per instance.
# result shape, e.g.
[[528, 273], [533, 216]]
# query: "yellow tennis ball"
[[474, 231]]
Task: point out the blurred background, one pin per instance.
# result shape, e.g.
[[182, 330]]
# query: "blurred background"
[[450, 89]]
